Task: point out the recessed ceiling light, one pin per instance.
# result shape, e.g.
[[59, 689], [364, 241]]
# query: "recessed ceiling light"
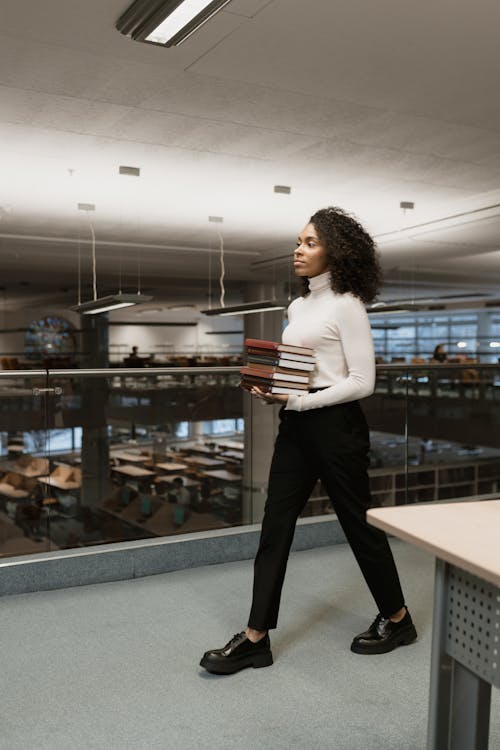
[[166, 22]]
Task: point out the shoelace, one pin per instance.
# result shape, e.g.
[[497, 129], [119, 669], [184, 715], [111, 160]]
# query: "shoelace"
[[235, 638], [379, 623]]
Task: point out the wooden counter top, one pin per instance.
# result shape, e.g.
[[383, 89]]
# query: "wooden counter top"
[[464, 534]]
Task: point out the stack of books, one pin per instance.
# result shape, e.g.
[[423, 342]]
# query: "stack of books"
[[277, 368]]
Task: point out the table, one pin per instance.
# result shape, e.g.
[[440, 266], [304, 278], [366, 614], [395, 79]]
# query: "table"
[[223, 475], [130, 470], [237, 455], [465, 660], [59, 484], [203, 461], [231, 445], [13, 468], [169, 479], [203, 450], [130, 458], [171, 466]]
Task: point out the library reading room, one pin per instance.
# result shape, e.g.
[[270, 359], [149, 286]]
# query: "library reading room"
[[250, 362]]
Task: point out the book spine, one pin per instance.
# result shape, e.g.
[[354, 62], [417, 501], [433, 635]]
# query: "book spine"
[[262, 344], [304, 350], [263, 382], [281, 355], [277, 373]]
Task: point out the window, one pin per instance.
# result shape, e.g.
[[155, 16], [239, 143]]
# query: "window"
[[55, 441], [182, 430], [418, 335], [220, 426]]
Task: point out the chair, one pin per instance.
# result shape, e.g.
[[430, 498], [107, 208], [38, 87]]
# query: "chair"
[[180, 513], [30, 466], [67, 477], [146, 505], [16, 486]]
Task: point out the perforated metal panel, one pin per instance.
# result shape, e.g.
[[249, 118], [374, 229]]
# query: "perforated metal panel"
[[473, 626]]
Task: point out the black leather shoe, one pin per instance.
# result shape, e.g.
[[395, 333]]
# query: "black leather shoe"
[[239, 653], [383, 635]]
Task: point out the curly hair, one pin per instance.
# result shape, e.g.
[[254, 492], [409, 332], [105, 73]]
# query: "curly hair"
[[353, 260]]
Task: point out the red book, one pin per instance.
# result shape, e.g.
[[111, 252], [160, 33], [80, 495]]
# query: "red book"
[[275, 373], [274, 346], [264, 383], [285, 390]]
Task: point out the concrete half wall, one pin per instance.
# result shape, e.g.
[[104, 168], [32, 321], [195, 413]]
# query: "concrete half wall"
[[122, 561]]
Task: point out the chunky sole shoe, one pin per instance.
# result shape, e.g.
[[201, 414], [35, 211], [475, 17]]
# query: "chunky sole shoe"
[[383, 636], [383, 647], [239, 653], [263, 660]]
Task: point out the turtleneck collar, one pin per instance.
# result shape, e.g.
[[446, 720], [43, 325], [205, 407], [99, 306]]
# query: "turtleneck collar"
[[320, 282]]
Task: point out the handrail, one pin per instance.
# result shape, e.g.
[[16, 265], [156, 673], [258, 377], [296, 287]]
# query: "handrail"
[[23, 374], [116, 372], [146, 371], [439, 366], [198, 370]]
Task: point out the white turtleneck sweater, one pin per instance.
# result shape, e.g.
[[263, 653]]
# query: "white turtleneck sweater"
[[336, 326]]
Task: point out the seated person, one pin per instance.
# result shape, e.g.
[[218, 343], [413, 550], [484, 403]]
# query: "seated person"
[[440, 354], [180, 495], [133, 359]]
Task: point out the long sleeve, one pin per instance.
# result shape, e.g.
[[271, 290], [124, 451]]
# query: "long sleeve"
[[344, 349]]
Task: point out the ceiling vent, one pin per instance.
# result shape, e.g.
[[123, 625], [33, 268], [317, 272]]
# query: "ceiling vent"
[[131, 171]]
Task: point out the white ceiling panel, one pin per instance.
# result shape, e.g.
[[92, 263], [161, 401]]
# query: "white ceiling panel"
[[350, 103], [434, 59]]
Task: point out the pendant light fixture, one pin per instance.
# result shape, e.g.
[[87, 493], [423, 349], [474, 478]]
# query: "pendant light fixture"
[[248, 307], [99, 305], [245, 308]]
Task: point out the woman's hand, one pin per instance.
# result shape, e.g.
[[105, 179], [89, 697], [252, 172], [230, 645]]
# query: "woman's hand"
[[268, 398]]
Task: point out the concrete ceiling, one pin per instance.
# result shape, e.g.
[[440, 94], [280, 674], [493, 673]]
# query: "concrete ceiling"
[[348, 102]]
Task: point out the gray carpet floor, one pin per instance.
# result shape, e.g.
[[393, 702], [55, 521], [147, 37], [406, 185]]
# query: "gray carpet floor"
[[115, 665]]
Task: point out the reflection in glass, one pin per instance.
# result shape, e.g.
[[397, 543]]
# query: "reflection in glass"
[[116, 458]]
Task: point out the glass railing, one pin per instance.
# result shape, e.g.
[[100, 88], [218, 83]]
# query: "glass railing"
[[450, 446], [97, 456]]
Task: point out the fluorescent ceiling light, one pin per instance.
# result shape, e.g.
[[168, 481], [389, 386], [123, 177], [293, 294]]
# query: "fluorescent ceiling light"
[[111, 302], [248, 308], [166, 22]]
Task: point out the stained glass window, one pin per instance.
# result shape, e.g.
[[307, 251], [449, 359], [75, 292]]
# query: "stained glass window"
[[49, 336]]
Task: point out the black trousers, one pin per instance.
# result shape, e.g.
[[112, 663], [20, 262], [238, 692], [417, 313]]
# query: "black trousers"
[[330, 444]]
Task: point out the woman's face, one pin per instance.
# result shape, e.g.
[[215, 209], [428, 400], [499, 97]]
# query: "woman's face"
[[309, 258]]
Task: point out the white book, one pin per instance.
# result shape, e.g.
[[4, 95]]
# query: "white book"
[[287, 391]]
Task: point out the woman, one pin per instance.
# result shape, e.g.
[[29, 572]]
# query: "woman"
[[323, 435], [440, 354]]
